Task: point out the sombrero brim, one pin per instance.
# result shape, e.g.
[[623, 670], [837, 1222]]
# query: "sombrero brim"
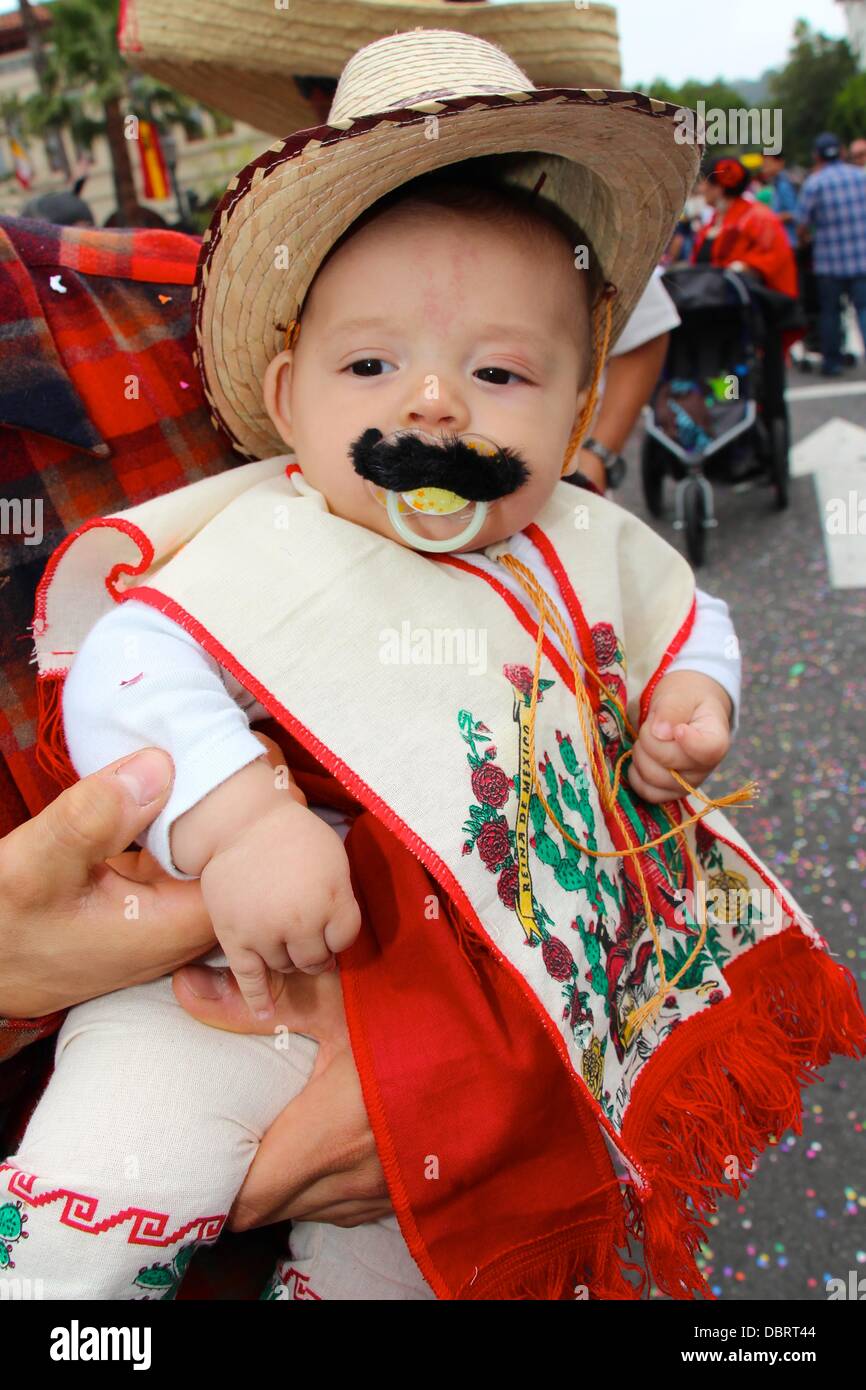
[[247, 59], [624, 179]]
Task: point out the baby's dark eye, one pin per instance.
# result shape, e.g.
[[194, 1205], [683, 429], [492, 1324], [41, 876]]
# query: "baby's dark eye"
[[368, 362], [503, 371]]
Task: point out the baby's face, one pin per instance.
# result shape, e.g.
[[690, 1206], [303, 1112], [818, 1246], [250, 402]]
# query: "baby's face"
[[435, 321]]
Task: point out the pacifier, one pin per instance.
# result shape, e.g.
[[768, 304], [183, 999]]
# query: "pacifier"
[[434, 501]]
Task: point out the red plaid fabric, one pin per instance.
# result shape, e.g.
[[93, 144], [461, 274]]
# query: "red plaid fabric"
[[100, 408]]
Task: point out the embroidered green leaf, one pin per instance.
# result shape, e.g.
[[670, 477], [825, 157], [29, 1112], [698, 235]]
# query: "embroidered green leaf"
[[567, 753], [592, 947], [546, 849], [537, 813], [676, 959], [716, 946], [550, 780], [608, 886], [569, 876]]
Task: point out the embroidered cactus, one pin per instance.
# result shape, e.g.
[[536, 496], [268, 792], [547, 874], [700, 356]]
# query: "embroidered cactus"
[[11, 1229], [163, 1280]]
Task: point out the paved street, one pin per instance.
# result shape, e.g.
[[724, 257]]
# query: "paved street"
[[801, 738]]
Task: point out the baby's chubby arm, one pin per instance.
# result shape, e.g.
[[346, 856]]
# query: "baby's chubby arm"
[[274, 876], [140, 680]]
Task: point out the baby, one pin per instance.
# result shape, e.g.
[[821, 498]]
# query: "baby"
[[499, 316], [409, 294], [449, 309]]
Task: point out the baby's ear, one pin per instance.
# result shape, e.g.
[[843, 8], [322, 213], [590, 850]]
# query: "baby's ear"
[[276, 392]]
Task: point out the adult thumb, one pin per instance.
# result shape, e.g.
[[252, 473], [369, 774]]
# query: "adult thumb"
[[101, 815]]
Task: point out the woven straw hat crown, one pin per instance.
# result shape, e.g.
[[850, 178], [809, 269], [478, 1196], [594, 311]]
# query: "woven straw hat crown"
[[456, 65], [610, 160]]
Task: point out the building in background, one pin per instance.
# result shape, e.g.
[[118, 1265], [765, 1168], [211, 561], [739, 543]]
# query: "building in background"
[[205, 161], [855, 13]]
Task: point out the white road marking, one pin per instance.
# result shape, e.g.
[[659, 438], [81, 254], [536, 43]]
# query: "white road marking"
[[835, 454], [837, 440], [826, 392]]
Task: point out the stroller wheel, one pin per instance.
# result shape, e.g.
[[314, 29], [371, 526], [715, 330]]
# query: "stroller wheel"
[[695, 513], [780, 465], [652, 472]]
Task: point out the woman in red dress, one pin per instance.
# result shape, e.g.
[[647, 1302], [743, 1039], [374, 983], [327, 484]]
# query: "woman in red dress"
[[744, 235]]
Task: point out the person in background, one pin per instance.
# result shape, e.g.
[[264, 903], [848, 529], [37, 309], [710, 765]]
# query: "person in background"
[[832, 212], [743, 234], [65, 209], [633, 369], [857, 154], [784, 194]]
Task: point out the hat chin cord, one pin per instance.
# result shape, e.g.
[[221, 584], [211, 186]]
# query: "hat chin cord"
[[602, 321]]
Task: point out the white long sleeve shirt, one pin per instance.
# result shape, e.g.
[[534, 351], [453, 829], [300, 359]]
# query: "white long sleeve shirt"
[[140, 680]]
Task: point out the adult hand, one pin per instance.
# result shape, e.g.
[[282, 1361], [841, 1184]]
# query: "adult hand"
[[73, 926], [318, 1160]]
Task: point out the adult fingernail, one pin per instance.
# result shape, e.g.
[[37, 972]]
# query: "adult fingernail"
[[205, 982], [147, 774]]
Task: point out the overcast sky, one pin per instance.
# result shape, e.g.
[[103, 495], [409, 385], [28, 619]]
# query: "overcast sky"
[[677, 39]]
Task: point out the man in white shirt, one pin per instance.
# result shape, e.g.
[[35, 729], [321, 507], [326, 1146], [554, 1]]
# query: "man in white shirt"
[[634, 367]]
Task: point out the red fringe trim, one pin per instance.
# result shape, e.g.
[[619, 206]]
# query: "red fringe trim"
[[697, 1107], [592, 1263], [52, 754]]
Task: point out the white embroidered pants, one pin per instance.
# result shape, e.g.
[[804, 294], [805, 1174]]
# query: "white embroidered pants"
[[136, 1150]]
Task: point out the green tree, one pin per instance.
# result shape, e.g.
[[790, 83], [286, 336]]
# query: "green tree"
[[716, 94], [848, 115], [88, 88], [807, 88]]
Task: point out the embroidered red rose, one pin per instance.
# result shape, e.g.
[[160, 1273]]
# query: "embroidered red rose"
[[604, 641], [557, 958], [490, 784], [492, 842], [507, 886], [521, 676], [616, 686]]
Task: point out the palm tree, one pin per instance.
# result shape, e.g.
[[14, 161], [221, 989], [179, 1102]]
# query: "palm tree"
[[88, 88], [52, 135]]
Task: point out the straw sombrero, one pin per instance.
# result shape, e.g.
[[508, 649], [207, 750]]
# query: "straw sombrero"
[[612, 161], [275, 63]]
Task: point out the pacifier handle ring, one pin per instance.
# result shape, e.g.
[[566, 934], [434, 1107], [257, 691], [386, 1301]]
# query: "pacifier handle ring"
[[421, 542]]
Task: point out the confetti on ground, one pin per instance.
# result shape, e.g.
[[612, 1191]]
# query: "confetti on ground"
[[800, 1219]]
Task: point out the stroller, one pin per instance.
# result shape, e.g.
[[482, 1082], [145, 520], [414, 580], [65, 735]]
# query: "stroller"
[[718, 411]]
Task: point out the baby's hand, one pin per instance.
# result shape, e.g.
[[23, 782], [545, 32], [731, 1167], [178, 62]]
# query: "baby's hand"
[[274, 877], [688, 728], [280, 898]]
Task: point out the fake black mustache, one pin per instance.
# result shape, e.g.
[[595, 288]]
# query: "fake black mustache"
[[409, 462]]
